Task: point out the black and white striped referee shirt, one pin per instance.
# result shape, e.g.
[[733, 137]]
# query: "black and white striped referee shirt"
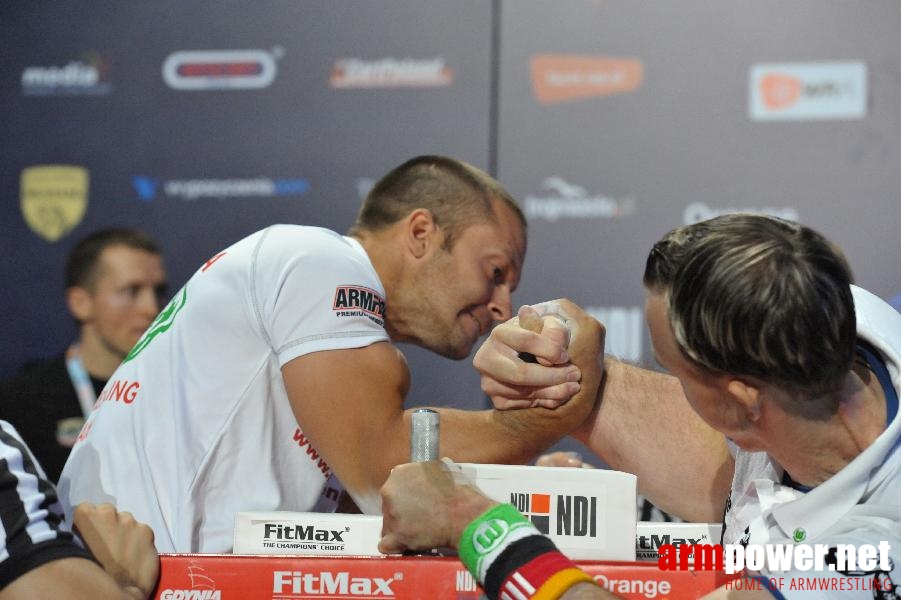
[[32, 529]]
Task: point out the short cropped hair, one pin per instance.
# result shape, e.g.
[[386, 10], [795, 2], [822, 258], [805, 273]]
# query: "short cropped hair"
[[84, 259], [756, 295], [456, 193]]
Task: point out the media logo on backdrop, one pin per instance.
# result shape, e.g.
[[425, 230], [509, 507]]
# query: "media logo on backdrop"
[[390, 73], [53, 198], [808, 91], [88, 75], [564, 78], [195, 70], [563, 200], [149, 188], [699, 211], [625, 330]]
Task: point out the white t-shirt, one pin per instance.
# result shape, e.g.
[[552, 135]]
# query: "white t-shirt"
[[861, 504], [195, 424]]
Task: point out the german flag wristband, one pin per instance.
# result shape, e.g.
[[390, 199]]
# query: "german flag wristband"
[[511, 559]]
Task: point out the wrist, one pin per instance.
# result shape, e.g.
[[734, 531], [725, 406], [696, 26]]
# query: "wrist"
[[511, 559], [468, 506]]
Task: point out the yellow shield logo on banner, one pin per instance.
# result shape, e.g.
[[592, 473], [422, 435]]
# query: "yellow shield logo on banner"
[[53, 199]]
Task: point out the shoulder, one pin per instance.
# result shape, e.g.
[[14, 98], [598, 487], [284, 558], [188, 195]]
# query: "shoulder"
[[316, 253], [303, 237]]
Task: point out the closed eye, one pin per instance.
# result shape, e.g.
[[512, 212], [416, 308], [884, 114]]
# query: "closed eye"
[[498, 276]]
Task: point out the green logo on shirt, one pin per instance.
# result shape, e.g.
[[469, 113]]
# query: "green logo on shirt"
[[161, 324]]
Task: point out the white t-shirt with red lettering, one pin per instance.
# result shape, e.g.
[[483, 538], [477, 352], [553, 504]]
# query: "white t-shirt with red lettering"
[[195, 425]]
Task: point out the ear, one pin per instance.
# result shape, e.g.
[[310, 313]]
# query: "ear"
[[747, 396], [80, 303], [422, 232]]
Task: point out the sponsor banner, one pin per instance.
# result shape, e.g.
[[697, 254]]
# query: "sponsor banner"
[[53, 198], [283, 532], [239, 577], [564, 200], [808, 91], [88, 75], [588, 513], [197, 70], [390, 73], [649, 536], [565, 78], [699, 211], [149, 188]]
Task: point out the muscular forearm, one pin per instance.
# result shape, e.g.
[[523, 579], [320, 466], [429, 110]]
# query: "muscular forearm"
[[643, 424], [73, 578], [513, 437]]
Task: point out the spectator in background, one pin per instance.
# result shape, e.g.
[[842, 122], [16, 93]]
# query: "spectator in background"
[[115, 282], [39, 555]]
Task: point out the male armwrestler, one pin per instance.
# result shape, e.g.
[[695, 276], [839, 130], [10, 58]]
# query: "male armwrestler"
[[273, 370], [784, 380]]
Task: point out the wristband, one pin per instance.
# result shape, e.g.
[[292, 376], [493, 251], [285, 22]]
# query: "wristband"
[[517, 554], [486, 537], [558, 583], [546, 577]]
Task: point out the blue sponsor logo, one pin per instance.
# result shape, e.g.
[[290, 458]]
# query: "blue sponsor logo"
[[148, 188], [291, 187], [145, 187]]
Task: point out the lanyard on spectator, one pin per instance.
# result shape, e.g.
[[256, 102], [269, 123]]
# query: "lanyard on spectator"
[[81, 381]]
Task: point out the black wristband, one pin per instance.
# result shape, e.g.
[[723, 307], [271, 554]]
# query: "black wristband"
[[514, 556]]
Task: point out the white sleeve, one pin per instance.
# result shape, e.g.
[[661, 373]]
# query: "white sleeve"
[[318, 296]]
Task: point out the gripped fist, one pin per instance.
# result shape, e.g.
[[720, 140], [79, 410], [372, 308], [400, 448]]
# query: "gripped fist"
[[427, 505], [563, 339]]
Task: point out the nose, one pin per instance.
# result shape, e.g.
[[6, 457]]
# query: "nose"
[[501, 304]]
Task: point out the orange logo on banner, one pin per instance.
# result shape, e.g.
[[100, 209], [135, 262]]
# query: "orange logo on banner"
[[779, 91], [561, 78]]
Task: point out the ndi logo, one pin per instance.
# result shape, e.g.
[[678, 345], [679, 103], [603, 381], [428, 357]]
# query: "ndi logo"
[[536, 507], [576, 516]]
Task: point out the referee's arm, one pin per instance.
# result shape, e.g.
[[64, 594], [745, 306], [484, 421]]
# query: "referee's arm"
[[39, 557]]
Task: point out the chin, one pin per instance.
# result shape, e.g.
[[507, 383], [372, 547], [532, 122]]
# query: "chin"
[[454, 351], [747, 443], [457, 353]]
